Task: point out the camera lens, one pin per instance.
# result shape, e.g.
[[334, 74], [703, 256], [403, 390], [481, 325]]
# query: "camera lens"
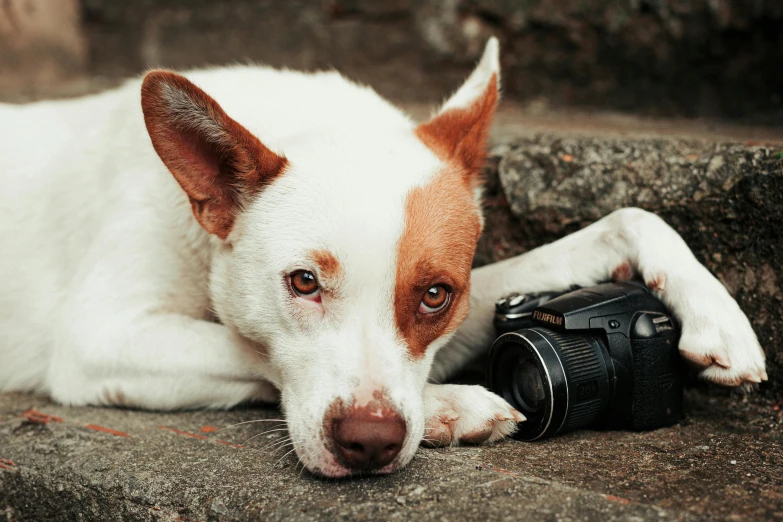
[[560, 381], [528, 385]]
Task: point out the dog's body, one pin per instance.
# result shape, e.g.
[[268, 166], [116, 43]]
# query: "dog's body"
[[123, 284]]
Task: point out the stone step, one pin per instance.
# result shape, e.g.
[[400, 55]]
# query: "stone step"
[[722, 190], [60, 463], [524, 120]]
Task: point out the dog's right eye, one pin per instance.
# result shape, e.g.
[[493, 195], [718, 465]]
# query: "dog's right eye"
[[304, 284]]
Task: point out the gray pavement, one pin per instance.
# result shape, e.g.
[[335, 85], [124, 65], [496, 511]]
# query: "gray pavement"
[[61, 463]]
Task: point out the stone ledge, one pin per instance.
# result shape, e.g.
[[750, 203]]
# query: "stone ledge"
[[725, 199], [62, 463]]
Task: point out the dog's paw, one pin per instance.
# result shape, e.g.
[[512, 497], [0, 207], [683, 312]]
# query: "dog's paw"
[[457, 414], [716, 335], [725, 347]]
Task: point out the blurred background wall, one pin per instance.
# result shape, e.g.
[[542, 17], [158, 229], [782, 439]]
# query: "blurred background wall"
[[692, 58]]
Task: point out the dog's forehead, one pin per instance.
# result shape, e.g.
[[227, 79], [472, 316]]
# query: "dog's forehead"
[[346, 193], [367, 158]]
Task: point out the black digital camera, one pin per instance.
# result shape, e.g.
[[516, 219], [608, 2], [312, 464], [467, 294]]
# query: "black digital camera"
[[604, 356]]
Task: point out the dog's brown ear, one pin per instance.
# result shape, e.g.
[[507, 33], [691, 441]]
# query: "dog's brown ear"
[[460, 130], [216, 160]]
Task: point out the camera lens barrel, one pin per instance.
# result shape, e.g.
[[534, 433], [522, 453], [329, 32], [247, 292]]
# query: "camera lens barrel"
[[559, 381]]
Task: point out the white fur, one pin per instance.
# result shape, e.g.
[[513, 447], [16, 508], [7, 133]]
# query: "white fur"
[[110, 288]]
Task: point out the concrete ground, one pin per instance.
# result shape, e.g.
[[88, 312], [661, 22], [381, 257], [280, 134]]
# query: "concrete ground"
[[724, 462]]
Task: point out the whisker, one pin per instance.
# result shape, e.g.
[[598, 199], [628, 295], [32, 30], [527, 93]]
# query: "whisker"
[[279, 427], [262, 354], [284, 456], [273, 430], [250, 422], [276, 446], [268, 445], [263, 433], [281, 448]]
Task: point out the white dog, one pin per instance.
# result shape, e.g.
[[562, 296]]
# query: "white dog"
[[158, 253]]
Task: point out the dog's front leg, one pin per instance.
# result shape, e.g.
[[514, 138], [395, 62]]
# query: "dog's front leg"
[[165, 361], [716, 334]]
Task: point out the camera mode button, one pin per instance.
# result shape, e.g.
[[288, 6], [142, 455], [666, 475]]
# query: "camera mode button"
[[516, 300], [650, 324]]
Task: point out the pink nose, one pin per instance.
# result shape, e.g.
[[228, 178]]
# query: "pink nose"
[[366, 440]]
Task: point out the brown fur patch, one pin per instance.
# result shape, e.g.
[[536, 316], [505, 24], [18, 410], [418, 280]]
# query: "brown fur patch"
[[442, 227], [216, 160], [461, 134], [339, 409], [328, 265], [657, 282], [623, 272]]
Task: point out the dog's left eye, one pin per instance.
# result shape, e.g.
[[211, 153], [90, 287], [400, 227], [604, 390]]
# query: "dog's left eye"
[[435, 299], [304, 284]]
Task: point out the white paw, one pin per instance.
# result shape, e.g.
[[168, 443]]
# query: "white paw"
[[457, 414], [716, 334]]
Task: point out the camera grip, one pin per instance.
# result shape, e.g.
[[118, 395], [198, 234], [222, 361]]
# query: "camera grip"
[[658, 382]]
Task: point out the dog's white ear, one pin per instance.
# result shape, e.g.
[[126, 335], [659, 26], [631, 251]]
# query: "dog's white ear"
[[459, 131], [216, 160]]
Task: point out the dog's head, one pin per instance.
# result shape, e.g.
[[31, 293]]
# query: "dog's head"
[[346, 256]]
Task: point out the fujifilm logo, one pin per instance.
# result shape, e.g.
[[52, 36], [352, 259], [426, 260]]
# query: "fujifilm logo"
[[548, 318]]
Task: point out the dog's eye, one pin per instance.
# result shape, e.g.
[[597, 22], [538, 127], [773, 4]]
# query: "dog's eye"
[[304, 284], [435, 299]]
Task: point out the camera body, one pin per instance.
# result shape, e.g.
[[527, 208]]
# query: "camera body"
[[604, 356]]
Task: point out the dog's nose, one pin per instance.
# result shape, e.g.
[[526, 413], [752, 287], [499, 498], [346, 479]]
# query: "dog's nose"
[[368, 441]]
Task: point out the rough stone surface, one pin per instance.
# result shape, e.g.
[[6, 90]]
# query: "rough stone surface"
[[57, 463], [726, 200]]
